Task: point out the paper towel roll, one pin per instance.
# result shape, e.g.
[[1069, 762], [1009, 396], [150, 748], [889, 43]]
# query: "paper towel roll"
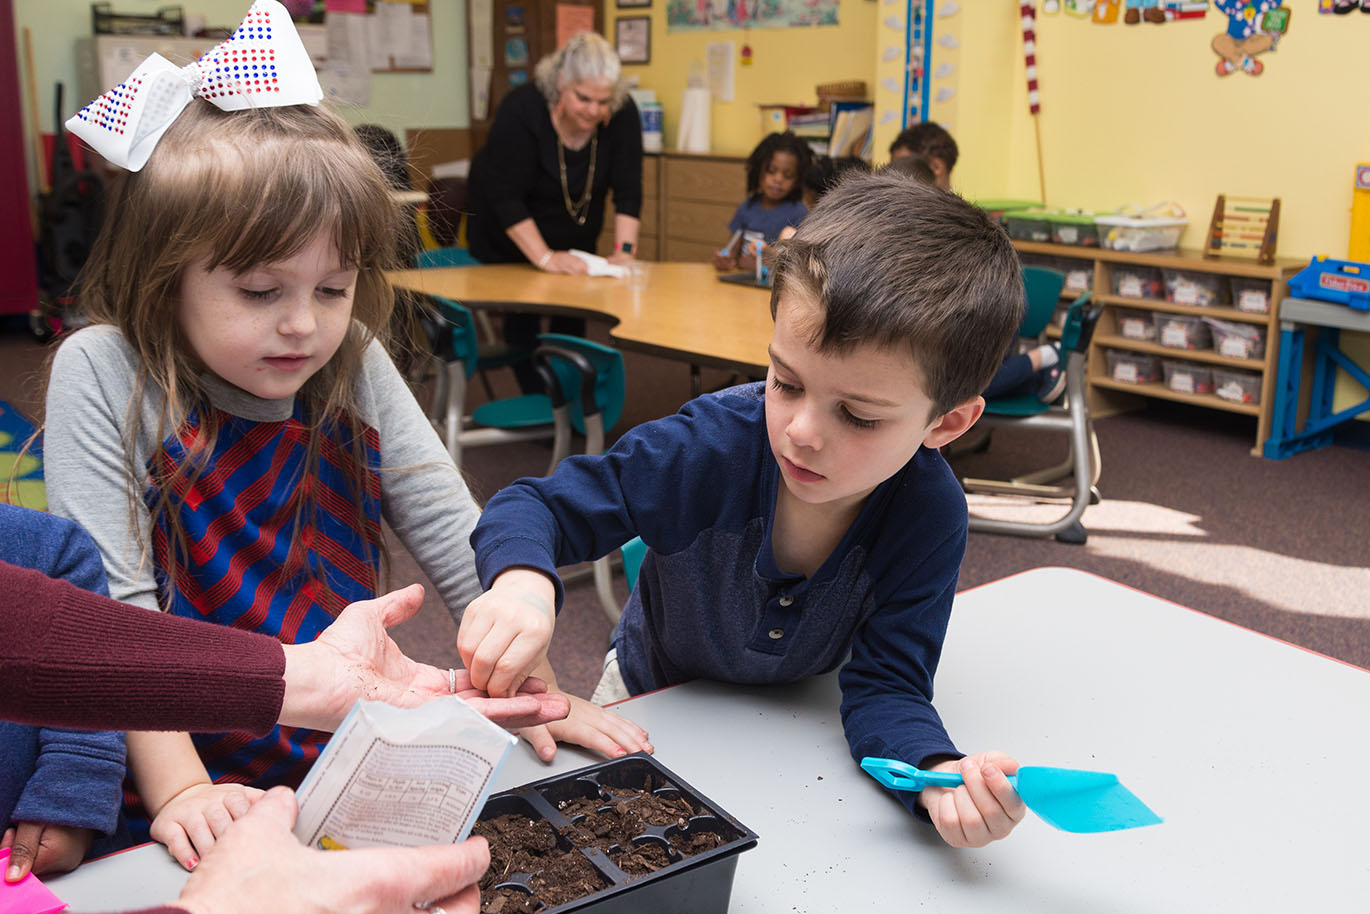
[[695, 113]]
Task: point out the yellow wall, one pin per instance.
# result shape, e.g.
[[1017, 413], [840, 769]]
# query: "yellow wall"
[[1136, 114], [788, 64]]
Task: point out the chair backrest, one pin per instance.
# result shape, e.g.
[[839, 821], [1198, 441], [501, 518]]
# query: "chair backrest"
[[445, 257], [1043, 288], [610, 383], [633, 551], [461, 328], [1079, 325]]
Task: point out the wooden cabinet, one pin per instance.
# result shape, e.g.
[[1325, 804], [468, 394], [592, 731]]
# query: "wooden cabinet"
[[1112, 273], [699, 195], [649, 238]]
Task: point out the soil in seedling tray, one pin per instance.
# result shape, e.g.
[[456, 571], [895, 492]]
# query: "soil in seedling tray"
[[599, 832]]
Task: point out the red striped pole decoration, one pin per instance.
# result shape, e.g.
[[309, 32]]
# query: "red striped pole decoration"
[[1028, 11]]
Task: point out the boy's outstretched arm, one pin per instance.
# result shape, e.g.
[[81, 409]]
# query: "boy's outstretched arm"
[[505, 631], [984, 808]]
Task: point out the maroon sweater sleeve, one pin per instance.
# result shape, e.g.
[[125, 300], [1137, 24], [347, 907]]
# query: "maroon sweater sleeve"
[[70, 658]]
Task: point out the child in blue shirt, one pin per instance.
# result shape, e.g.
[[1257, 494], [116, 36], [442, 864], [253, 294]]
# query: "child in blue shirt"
[[797, 526], [775, 199], [60, 790]]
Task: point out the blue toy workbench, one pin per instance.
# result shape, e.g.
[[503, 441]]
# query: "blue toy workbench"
[[1298, 316]]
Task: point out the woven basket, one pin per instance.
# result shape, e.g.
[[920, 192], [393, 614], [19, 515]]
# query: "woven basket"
[[846, 89]]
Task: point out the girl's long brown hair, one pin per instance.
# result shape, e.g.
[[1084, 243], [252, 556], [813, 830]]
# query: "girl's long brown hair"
[[240, 189]]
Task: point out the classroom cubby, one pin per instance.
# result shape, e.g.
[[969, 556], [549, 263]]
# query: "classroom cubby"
[[1129, 283]]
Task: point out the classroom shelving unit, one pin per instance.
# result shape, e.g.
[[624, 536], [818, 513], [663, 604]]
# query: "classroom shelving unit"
[[1110, 396]]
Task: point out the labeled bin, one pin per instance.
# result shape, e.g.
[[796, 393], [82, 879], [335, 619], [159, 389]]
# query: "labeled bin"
[[1133, 367]]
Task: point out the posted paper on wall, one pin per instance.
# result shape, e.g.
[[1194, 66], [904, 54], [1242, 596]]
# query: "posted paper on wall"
[[401, 776]]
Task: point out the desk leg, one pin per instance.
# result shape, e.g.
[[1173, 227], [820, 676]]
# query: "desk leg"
[[696, 383], [1285, 413]]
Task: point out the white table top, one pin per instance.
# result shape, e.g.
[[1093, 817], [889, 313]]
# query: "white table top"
[[1251, 749]]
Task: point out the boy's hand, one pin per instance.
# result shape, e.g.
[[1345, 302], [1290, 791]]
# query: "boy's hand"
[[983, 809], [505, 631], [724, 263], [591, 726], [193, 820], [44, 848]]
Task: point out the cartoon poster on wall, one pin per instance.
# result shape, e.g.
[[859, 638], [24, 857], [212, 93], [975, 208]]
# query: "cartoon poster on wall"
[[697, 15], [1254, 27]]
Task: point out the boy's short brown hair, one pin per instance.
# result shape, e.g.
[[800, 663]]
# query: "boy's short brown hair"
[[893, 261], [929, 140]]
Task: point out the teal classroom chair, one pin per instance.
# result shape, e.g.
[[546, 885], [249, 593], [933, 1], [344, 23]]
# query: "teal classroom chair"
[[632, 553], [1074, 480], [584, 381], [492, 353]]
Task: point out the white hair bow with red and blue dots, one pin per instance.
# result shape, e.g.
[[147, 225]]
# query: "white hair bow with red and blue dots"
[[262, 65]]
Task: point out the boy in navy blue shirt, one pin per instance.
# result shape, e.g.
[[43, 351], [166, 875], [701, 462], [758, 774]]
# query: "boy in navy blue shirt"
[[798, 526], [60, 790]]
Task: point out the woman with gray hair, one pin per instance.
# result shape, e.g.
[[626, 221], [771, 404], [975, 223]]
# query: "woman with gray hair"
[[556, 149]]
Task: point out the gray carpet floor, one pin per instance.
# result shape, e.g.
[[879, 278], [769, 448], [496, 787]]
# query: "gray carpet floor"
[[1281, 547]]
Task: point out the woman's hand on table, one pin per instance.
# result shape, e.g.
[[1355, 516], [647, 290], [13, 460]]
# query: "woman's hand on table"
[[620, 258], [983, 809], [565, 262], [597, 729]]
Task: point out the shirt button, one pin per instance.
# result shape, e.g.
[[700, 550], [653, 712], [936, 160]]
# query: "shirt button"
[[777, 633], [786, 601]]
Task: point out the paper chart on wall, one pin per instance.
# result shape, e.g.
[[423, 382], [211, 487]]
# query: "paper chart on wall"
[[346, 76], [720, 57], [482, 33]]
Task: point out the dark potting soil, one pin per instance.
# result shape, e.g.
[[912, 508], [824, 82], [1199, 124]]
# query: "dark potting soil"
[[633, 827]]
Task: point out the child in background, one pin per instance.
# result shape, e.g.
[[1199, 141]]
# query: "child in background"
[[807, 523], [915, 167], [932, 143], [59, 789], [823, 173], [231, 430], [774, 199]]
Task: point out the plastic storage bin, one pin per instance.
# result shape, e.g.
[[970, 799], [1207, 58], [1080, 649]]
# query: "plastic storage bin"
[[1187, 377], [1185, 287], [1072, 227], [1128, 233], [1133, 367], [1237, 341], [694, 856], [1027, 225], [1137, 282], [998, 208], [1135, 325], [1251, 295], [1181, 331], [1237, 386]]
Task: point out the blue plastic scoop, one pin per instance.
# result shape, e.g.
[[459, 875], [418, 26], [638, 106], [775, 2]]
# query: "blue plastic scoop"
[[1075, 801]]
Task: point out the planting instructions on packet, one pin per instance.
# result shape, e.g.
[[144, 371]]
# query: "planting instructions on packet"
[[401, 776]]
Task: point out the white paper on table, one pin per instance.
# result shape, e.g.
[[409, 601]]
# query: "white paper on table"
[[599, 266], [401, 776]]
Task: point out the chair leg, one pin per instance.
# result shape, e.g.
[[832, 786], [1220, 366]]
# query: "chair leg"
[[455, 406], [561, 440], [604, 588]]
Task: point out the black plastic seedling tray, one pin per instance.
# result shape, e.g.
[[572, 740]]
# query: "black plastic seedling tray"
[[694, 882]]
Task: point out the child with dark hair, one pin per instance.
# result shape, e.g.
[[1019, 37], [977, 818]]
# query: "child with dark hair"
[[801, 525], [932, 143], [915, 167], [774, 197]]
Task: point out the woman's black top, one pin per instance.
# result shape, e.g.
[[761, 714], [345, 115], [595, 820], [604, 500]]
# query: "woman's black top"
[[515, 176]]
